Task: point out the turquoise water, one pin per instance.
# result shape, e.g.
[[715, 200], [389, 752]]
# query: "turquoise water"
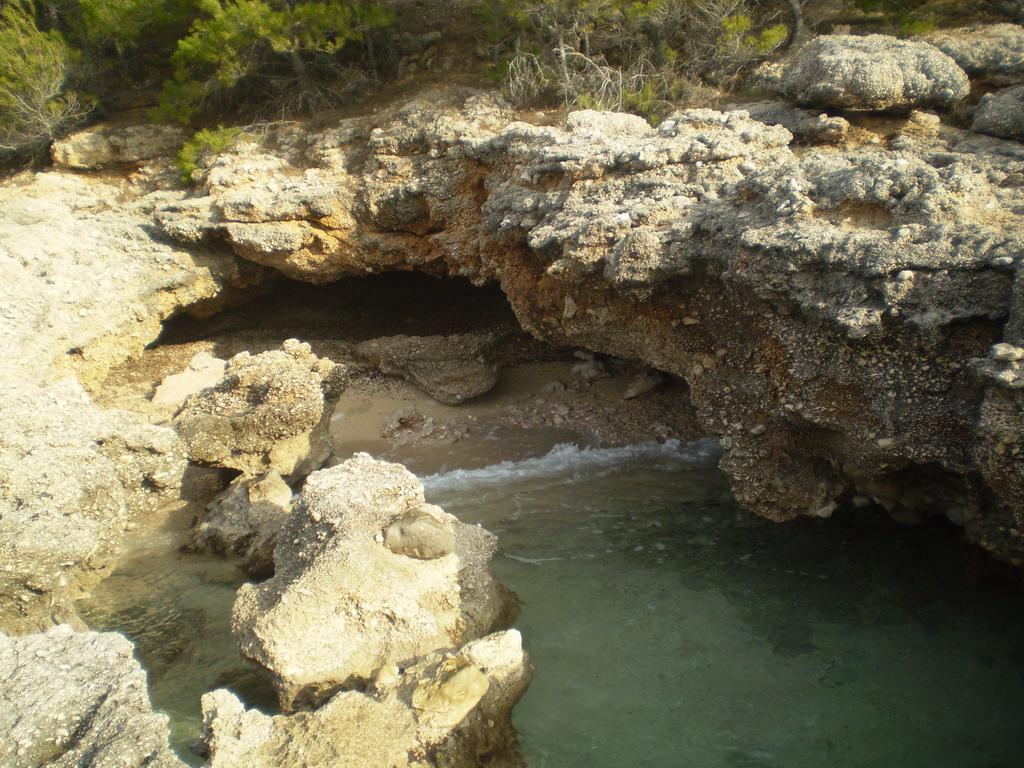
[[667, 626], [670, 628]]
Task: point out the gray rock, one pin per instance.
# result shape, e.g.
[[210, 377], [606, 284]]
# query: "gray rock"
[[108, 145], [268, 412], [421, 535], [245, 520], [341, 604], [1001, 114], [453, 705], [72, 478], [451, 369], [204, 370], [990, 52], [807, 126], [74, 699], [873, 73]]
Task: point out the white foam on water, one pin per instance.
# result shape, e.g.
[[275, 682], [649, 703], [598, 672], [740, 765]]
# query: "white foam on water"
[[570, 459]]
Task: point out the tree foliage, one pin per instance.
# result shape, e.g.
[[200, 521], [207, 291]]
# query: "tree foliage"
[[284, 44], [35, 105]]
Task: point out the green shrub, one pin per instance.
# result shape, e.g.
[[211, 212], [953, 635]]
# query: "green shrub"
[[284, 46], [35, 105], [202, 145]]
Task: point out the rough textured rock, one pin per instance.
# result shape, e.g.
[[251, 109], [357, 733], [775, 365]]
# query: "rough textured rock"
[[72, 477], [245, 520], [449, 709], [341, 605], [990, 52], [204, 370], [823, 304], [77, 699], [108, 145], [1001, 114], [451, 369], [873, 73], [807, 126], [268, 412], [85, 285]]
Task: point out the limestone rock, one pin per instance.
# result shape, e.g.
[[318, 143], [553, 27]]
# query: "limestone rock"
[[268, 412], [873, 73], [1001, 114], [451, 369], [421, 535], [450, 709], [72, 477], [74, 699], [807, 126], [107, 145], [245, 520], [990, 52], [341, 604], [204, 370]]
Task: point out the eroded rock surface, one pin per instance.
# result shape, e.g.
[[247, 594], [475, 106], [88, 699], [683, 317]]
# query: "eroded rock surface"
[[72, 478], [73, 699], [245, 520], [341, 604], [1001, 114], [991, 52], [824, 304], [269, 412], [451, 709], [85, 285], [451, 369], [873, 73], [108, 145]]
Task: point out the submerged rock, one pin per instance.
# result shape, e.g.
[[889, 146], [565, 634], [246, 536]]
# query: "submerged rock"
[[451, 708], [342, 604], [1001, 114], [77, 699], [245, 521], [268, 412], [873, 73], [451, 369]]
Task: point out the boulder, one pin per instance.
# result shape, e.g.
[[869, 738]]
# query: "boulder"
[[451, 708], [342, 604], [451, 369], [108, 145], [873, 73], [1001, 114], [269, 411], [245, 520], [990, 52], [77, 699]]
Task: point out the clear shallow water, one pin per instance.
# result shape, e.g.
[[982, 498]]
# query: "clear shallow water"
[[668, 627]]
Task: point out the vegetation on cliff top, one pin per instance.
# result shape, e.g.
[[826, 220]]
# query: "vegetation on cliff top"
[[200, 62]]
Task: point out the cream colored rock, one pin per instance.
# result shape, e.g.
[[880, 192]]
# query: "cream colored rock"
[[245, 521], [108, 145], [204, 370], [341, 604], [451, 708], [269, 411], [73, 699]]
